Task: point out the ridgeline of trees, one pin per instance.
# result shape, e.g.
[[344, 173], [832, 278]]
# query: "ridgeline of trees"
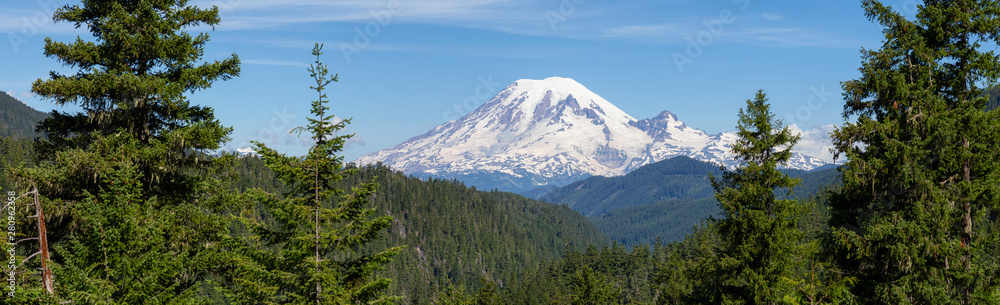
[[635, 217], [678, 177], [17, 120], [136, 212], [453, 234]]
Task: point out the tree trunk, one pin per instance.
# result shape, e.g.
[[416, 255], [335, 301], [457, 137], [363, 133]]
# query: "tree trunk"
[[43, 245]]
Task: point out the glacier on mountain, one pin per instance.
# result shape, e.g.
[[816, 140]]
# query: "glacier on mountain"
[[554, 131]]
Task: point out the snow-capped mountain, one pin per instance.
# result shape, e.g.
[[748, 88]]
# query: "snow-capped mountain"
[[553, 131]]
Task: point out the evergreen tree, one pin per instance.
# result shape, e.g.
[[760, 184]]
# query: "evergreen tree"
[[134, 213], [755, 264], [319, 257], [132, 78], [922, 169]]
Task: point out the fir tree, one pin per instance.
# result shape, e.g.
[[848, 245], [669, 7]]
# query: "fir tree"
[[135, 213], [922, 169], [132, 78], [755, 264], [318, 229]]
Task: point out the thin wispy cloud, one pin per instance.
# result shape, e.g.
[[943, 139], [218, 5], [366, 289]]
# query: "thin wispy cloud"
[[270, 62], [257, 14], [771, 16], [791, 37], [648, 31]]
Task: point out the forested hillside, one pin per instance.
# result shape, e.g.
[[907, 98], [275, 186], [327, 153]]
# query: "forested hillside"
[[678, 177], [663, 200], [14, 152], [993, 98], [668, 220], [17, 119], [453, 233], [17, 127]]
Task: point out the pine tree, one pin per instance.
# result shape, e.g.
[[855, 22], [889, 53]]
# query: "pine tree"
[[135, 215], [319, 258], [759, 231], [922, 169]]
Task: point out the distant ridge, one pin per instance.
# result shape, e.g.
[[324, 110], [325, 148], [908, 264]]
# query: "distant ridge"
[[17, 119], [663, 199]]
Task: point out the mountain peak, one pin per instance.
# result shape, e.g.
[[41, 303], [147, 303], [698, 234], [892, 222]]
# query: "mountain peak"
[[666, 115], [554, 82], [549, 131]]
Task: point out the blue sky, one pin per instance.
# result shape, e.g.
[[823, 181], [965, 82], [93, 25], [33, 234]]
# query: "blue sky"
[[407, 66]]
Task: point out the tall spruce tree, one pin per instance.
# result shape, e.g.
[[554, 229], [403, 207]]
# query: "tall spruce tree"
[[134, 215], [318, 229], [132, 78], [760, 238], [922, 159]]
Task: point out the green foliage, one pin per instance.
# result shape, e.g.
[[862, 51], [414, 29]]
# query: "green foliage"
[[457, 235], [454, 295], [133, 213], [636, 216], [993, 98], [607, 275], [922, 175], [14, 153], [759, 231], [133, 77], [317, 230], [669, 220], [124, 247], [592, 288]]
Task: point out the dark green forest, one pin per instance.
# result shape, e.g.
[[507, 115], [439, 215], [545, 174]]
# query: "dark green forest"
[[17, 119], [453, 233], [128, 202], [637, 211]]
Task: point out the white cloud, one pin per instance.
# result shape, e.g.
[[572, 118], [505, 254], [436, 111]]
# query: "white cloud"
[[814, 142]]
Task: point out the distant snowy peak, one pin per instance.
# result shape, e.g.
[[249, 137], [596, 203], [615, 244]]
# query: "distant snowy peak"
[[552, 131], [665, 127], [242, 152]]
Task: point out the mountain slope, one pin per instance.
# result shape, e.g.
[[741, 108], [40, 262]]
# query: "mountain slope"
[[678, 177], [669, 220], [454, 233], [552, 132], [674, 178], [664, 199], [17, 119]]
